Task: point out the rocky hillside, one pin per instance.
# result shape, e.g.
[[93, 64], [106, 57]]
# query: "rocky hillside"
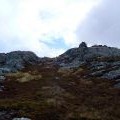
[[102, 61], [81, 84], [75, 56]]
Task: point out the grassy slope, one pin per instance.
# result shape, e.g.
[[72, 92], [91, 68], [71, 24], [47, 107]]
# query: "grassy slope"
[[63, 95]]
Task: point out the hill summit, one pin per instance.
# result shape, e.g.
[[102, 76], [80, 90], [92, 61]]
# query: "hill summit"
[[75, 56]]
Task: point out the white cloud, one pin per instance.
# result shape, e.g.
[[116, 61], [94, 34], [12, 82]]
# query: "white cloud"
[[25, 22]]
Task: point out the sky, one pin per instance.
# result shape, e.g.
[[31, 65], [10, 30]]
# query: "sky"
[[50, 27]]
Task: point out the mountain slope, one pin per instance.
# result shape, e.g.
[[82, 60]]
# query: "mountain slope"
[[81, 84]]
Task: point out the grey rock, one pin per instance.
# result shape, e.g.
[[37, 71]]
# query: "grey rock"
[[104, 51], [2, 58], [116, 63], [97, 73], [57, 78], [2, 78], [107, 70], [21, 118], [98, 65], [4, 70], [14, 61], [7, 115], [117, 85], [115, 74], [17, 59], [86, 54], [83, 45]]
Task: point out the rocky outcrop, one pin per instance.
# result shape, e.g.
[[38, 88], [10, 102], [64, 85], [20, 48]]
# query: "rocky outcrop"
[[105, 69], [13, 61], [75, 56], [7, 114], [101, 61], [114, 74], [10, 115]]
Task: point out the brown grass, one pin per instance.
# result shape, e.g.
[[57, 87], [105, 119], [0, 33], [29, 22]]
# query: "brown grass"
[[68, 98], [24, 77]]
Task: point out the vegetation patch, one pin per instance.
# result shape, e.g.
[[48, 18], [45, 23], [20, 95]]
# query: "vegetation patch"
[[24, 76]]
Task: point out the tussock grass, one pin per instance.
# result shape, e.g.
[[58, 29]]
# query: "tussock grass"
[[24, 77]]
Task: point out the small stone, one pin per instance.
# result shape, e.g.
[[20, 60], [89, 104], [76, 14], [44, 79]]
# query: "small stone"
[[57, 78], [2, 78], [21, 118]]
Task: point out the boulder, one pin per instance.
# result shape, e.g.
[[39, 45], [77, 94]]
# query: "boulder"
[[17, 60], [2, 78]]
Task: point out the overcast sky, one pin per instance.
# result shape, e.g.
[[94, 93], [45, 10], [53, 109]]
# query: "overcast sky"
[[50, 27]]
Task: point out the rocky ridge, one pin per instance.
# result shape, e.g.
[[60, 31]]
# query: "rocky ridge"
[[102, 61], [86, 54], [82, 83]]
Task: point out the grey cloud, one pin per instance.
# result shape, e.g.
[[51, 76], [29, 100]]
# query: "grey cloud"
[[102, 26]]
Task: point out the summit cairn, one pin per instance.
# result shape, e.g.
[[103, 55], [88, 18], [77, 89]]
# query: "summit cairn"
[[83, 45]]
